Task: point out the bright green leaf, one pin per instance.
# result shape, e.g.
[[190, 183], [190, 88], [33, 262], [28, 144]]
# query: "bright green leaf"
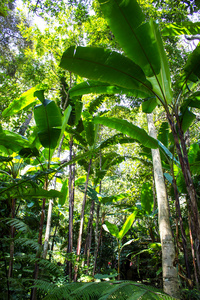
[[111, 228], [127, 225], [106, 66], [136, 38], [128, 128], [147, 198]]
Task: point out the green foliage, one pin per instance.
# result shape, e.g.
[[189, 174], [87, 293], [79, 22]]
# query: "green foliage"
[[48, 121], [131, 130], [126, 22], [109, 67], [22, 102], [103, 290], [147, 198], [174, 29], [113, 229]]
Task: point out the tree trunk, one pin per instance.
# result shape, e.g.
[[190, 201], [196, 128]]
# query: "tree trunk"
[[183, 158], [36, 270], [184, 240], [170, 276], [71, 209], [98, 243], [24, 126], [12, 245], [89, 234], [49, 214], [78, 251], [48, 229]]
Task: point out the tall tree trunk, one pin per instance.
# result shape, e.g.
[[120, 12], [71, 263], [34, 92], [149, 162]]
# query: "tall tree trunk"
[[49, 214], [71, 208], [170, 275], [48, 229], [38, 254], [89, 234], [12, 245], [24, 126], [78, 251], [98, 243], [184, 240], [183, 158], [53, 240]]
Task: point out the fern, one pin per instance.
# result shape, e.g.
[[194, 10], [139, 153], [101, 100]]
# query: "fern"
[[44, 286], [119, 290], [47, 265], [18, 224], [28, 242]]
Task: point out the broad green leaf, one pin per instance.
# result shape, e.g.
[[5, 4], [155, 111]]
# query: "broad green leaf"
[[106, 66], [13, 141], [192, 68], [162, 82], [98, 87], [131, 130], [48, 121], [186, 119], [136, 38], [181, 28], [149, 105], [127, 225], [22, 102], [64, 191], [147, 198], [40, 95], [111, 228]]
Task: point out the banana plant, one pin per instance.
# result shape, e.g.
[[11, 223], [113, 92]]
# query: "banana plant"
[[142, 68], [119, 234]]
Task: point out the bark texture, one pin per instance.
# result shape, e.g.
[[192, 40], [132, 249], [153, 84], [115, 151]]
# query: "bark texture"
[[79, 242], [170, 275]]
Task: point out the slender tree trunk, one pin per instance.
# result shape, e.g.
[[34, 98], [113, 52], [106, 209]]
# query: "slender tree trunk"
[[71, 209], [89, 234], [98, 244], [183, 158], [78, 251], [49, 214], [184, 241], [24, 126], [53, 240], [193, 253], [12, 245], [36, 270], [170, 276], [48, 229]]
